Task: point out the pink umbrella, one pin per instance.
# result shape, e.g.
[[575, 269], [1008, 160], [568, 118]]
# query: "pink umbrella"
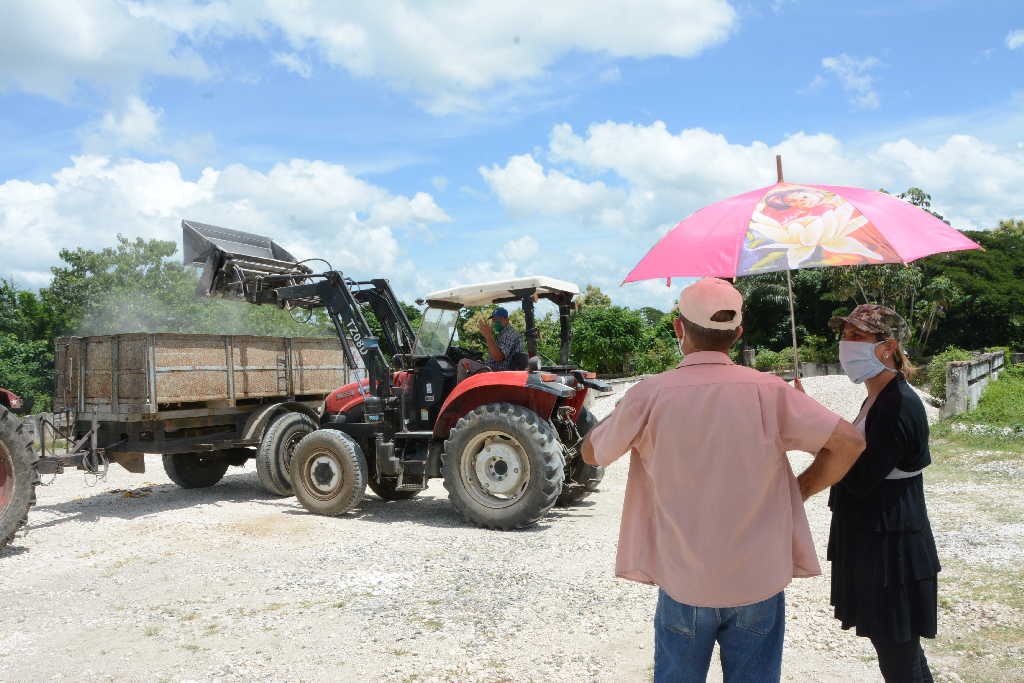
[[788, 226]]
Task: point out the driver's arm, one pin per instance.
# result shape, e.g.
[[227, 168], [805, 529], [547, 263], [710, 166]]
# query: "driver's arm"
[[493, 350]]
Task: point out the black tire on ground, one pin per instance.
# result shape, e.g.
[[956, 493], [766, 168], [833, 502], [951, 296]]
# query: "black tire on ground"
[[195, 470], [503, 466], [17, 475], [386, 490], [277, 447], [328, 472], [581, 479]]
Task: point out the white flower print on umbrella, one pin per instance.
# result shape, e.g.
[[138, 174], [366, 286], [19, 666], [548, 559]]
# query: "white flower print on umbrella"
[[801, 237]]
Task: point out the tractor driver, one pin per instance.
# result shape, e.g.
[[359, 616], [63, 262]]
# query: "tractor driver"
[[503, 342]]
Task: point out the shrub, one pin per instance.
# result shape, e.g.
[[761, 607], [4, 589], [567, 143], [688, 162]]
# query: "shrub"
[[818, 349], [937, 369], [766, 360]]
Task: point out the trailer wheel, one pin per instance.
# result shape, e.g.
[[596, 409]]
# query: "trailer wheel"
[[328, 472], [386, 489], [503, 466], [195, 470], [581, 479], [17, 475], [277, 447]]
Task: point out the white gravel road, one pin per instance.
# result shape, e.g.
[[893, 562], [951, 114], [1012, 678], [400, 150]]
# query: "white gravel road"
[[135, 579]]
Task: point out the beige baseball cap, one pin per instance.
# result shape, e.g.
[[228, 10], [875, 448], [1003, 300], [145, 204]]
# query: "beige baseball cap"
[[708, 296]]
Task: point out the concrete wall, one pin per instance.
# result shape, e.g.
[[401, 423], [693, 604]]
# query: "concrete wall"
[[966, 380], [812, 370]]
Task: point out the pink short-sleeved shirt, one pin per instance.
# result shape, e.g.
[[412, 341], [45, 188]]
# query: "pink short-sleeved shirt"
[[713, 513]]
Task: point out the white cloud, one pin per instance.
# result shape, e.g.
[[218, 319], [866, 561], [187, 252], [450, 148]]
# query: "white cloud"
[[524, 186], [521, 249], [450, 56], [295, 63], [312, 207], [665, 176], [855, 76], [49, 47], [135, 126], [439, 182], [1015, 39]]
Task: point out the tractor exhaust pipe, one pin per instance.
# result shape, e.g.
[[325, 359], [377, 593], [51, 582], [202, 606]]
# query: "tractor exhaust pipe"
[[239, 265]]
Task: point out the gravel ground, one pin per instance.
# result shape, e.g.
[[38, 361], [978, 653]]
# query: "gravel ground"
[[135, 579]]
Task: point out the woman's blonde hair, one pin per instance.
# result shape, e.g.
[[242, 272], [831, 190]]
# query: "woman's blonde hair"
[[900, 357]]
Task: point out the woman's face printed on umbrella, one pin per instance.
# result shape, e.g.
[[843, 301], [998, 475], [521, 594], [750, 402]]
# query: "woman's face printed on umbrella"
[[794, 199]]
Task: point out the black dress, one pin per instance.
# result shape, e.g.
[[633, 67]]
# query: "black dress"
[[884, 563]]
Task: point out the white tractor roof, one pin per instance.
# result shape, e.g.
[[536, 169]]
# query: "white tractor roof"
[[501, 290]]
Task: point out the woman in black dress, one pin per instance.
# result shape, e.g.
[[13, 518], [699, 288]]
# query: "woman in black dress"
[[884, 564]]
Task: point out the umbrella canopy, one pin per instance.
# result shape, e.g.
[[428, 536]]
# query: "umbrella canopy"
[[788, 226]]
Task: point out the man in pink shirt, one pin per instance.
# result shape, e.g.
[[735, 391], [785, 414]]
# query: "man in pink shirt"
[[713, 514]]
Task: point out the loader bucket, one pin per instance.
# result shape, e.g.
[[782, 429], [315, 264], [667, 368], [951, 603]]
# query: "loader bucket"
[[239, 264]]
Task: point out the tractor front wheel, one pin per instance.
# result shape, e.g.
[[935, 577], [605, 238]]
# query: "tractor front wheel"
[[195, 470], [17, 475], [503, 466], [328, 472], [581, 479]]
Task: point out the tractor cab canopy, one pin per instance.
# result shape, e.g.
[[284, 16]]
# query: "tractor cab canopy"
[[503, 291], [526, 290]]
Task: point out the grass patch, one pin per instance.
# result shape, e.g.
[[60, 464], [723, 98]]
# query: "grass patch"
[[990, 654], [151, 631], [1002, 404]]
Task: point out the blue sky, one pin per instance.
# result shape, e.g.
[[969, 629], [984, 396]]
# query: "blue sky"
[[438, 143]]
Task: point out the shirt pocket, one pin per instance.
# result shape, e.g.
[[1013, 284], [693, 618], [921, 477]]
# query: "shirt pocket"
[[675, 616]]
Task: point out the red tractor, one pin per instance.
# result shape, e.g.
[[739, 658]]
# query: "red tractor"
[[17, 474], [508, 443]]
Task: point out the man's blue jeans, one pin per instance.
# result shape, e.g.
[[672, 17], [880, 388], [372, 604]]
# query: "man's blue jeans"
[[749, 638]]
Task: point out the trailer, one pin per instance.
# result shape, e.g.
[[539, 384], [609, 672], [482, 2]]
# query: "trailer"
[[203, 402]]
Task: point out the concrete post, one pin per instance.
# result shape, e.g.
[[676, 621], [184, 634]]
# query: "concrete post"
[[957, 395], [748, 357]]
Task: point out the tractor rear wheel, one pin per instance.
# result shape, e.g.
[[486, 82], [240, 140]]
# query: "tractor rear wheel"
[[328, 472], [277, 447], [503, 466], [581, 479], [195, 470], [17, 475]]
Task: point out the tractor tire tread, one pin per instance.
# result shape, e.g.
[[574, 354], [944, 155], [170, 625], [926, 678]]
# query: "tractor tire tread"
[[18, 442]]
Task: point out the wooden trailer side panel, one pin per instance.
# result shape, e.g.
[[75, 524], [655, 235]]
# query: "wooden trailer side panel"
[[133, 375], [317, 366], [188, 368]]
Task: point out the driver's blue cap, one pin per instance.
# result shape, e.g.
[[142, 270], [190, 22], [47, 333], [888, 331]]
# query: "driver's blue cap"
[[500, 313]]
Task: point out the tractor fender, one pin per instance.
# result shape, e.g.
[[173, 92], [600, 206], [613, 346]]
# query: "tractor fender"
[[257, 423], [527, 389]]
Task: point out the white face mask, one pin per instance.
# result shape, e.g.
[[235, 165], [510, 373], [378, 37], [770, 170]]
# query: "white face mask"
[[859, 360]]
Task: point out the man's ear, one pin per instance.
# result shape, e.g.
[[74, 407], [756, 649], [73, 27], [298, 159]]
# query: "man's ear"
[[677, 325], [739, 334]]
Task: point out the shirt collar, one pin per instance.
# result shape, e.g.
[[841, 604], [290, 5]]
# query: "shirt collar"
[[706, 358]]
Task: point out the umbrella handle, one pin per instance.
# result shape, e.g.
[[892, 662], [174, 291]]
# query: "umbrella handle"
[[792, 327]]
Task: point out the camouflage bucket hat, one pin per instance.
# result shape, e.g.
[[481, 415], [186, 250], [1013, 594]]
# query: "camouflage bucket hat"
[[874, 319]]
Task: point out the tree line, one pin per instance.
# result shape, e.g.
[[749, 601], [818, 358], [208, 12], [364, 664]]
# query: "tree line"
[[971, 300]]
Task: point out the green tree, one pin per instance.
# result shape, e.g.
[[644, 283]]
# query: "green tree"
[[593, 296], [606, 337]]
